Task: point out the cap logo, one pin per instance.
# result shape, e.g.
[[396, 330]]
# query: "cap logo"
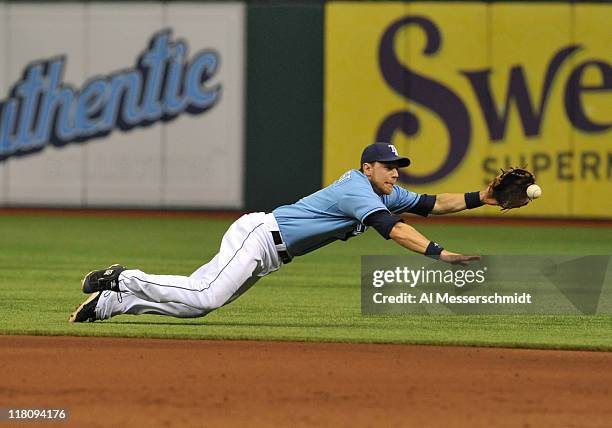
[[393, 149]]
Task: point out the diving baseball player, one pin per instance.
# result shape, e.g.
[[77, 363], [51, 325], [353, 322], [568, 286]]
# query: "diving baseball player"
[[260, 243]]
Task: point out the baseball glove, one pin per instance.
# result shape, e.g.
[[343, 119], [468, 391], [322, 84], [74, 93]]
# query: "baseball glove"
[[510, 188]]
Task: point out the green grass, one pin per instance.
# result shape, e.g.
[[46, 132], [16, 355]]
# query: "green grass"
[[315, 298]]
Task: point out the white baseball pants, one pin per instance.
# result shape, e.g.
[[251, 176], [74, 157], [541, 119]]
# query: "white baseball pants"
[[247, 253]]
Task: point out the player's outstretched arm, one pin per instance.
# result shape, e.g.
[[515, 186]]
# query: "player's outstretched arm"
[[454, 202], [410, 238]]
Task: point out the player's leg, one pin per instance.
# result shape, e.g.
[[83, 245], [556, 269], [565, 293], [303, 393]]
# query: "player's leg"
[[247, 252], [108, 304]]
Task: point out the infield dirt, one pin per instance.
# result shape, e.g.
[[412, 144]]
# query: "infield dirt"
[[107, 382]]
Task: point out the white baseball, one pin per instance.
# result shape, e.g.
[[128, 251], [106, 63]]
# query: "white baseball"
[[534, 191]]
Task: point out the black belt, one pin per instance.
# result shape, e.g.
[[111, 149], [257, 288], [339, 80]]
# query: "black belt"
[[281, 248]]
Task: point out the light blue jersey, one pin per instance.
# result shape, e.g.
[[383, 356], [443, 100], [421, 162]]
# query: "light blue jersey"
[[336, 212]]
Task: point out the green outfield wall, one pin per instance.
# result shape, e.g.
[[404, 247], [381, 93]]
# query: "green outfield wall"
[[284, 102]]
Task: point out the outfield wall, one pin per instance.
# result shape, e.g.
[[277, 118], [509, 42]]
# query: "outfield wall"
[[284, 95]]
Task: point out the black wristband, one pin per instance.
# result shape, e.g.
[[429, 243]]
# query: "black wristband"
[[433, 249], [472, 200]]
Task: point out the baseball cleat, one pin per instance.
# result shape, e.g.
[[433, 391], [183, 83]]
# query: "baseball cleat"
[[103, 279], [86, 312]]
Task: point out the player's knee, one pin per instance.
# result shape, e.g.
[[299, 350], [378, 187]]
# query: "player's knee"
[[208, 302], [212, 304]]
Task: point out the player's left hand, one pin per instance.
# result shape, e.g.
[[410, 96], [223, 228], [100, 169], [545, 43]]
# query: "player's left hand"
[[486, 196]]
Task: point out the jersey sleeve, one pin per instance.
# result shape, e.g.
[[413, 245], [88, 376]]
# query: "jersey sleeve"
[[401, 200], [358, 201]]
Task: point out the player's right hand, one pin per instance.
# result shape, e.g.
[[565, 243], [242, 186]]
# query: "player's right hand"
[[456, 259]]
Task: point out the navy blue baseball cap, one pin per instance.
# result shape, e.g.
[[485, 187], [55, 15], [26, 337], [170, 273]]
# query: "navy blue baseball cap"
[[383, 152]]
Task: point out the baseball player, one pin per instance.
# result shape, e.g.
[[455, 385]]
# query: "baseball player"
[[260, 243]]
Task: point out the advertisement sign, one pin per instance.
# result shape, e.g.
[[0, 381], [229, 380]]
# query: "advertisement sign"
[[465, 89], [121, 105]]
